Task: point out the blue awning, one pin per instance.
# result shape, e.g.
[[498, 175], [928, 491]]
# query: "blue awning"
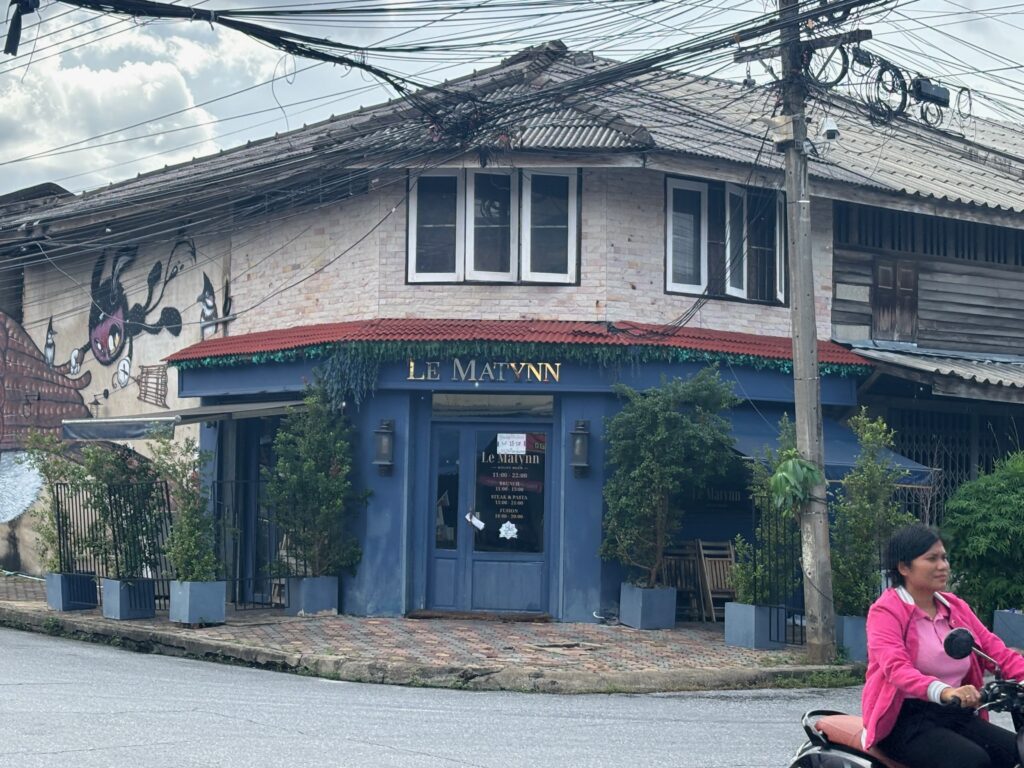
[[756, 430]]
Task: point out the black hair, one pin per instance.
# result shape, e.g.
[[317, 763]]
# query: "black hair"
[[906, 545]]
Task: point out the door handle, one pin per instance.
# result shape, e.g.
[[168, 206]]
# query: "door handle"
[[474, 521]]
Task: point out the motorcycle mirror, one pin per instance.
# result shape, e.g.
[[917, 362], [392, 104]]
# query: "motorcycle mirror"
[[959, 643]]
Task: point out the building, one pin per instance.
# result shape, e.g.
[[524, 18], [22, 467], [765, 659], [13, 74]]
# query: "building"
[[477, 267]]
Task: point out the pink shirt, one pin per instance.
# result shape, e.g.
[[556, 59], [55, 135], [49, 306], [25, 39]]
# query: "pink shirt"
[[892, 675], [930, 658]]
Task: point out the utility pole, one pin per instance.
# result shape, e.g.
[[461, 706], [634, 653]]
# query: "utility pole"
[[789, 133], [816, 561]]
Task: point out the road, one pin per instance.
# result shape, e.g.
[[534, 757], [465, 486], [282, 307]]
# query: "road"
[[65, 703]]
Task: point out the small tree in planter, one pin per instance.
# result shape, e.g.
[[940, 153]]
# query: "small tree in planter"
[[197, 595], [664, 441], [984, 523], [767, 571], [67, 588], [310, 492], [865, 514]]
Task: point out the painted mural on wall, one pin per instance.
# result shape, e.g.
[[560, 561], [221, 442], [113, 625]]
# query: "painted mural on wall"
[[209, 318], [113, 327], [34, 393], [83, 361]]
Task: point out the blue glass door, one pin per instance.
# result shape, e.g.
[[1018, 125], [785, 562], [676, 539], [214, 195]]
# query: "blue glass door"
[[488, 513]]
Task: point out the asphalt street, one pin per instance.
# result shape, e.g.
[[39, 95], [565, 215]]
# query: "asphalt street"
[[68, 703]]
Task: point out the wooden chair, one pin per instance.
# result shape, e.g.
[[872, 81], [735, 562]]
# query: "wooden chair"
[[681, 570], [716, 560]]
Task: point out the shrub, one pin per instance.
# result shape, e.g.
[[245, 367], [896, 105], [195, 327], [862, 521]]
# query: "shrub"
[[864, 516], [191, 543], [985, 527], [310, 491], [664, 441]]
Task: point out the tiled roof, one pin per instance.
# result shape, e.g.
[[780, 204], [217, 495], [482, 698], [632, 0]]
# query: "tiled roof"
[[522, 331]]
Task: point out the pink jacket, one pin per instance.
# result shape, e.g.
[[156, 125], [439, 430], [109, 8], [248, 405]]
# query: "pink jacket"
[[891, 676]]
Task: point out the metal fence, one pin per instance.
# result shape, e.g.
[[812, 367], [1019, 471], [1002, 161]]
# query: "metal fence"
[[778, 579], [115, 531], [253, 553]]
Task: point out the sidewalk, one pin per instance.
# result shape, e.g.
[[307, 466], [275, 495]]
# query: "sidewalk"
[[449, 653]]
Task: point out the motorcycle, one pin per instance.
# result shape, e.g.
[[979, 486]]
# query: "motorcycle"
[[833, 738]]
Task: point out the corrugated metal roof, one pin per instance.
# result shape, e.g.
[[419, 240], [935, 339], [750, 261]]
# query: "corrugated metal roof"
[[528, 331], [528, 103], [996, 373]]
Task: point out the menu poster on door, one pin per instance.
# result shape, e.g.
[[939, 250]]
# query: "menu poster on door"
[[510, 492]]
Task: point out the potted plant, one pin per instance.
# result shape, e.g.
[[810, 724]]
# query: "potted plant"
[[124, 531], [197, 596], [313, 504], [864, 514], [766, 574], [67, 587], [663, 442]]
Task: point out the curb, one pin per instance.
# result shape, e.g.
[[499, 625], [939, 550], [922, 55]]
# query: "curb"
[[465, 677]]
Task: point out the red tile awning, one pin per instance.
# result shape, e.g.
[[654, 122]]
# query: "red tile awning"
[[523, 331]]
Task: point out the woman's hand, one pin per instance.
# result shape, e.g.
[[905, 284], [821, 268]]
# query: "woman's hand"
[[968, 695]]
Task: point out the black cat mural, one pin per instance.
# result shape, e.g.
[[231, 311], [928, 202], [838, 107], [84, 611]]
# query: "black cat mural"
[[113, 326]]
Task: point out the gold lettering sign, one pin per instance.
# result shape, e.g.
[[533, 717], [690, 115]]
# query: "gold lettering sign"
[[473, 370]]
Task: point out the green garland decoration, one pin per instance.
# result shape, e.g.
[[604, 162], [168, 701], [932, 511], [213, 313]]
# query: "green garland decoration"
[[350, 369]]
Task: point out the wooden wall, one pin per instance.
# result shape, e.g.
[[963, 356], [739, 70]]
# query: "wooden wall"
[[971, 299]]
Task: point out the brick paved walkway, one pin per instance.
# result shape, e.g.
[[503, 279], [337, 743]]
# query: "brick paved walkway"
[[334, 644]]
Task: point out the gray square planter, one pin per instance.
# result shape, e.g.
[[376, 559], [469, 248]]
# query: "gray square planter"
[[71, 591], [125, 599], [198, 602], [851, 634], [1009, 627], [642, 608], [312, 595], [749, 626]]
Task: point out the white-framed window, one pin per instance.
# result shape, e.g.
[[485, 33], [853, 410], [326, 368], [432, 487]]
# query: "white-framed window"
[[492, 225], [686, 236], [549, 226], [736, 241], [436, 227], [781, 247]]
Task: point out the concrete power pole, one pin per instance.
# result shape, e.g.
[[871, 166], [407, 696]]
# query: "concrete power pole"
[[814, 536], [790, 132]]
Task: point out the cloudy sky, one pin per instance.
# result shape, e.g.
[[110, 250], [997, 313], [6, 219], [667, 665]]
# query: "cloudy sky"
[[94, 98]]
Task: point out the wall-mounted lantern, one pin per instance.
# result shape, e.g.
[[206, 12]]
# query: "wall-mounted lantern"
[[384, 446], [580, 436]]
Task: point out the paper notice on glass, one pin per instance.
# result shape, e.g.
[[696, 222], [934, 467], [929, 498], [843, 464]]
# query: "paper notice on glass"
[[475, 521], [512, 443]]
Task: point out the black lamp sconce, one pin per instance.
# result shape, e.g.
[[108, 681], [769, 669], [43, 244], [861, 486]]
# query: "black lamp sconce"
[[580, 435], [384, 446]]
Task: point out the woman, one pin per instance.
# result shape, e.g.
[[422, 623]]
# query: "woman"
[[907, 701]]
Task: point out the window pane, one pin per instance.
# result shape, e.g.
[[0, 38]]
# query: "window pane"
[[510, 494], [549, 196], [549, 224], [549, 251], [737, 247], [436, 198], [686, 237], [435, 249], [492, 232], [446, 518]]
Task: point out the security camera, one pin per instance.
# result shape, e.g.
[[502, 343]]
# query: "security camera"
[[829, 129]]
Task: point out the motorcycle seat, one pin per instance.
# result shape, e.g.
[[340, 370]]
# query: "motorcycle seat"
[[845, 730]]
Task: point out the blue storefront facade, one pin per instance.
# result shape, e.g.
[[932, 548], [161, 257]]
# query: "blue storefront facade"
[[491, 497]]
